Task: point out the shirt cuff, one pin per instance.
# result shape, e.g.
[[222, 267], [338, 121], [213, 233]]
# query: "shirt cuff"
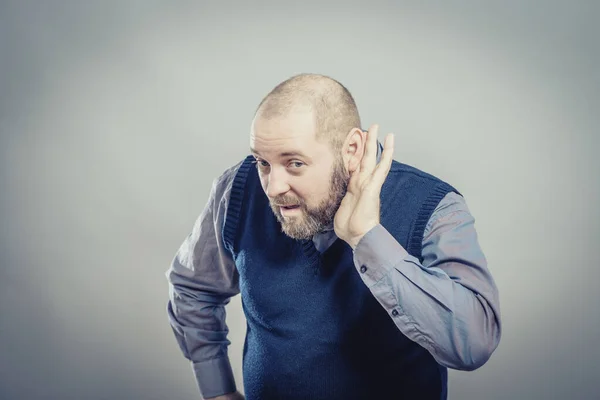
[[214, 377], [376, 254]]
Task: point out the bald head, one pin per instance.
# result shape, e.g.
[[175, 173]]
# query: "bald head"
[[330, 103]]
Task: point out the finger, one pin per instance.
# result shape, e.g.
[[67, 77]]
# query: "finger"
[[383, 168], [369, 159]]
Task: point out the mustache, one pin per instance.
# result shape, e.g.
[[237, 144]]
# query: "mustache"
[[286, 201]]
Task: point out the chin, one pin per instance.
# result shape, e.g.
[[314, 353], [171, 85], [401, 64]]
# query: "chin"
[[294, 233], [295, 236]]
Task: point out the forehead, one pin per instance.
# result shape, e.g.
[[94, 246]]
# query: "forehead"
[[294, 132]]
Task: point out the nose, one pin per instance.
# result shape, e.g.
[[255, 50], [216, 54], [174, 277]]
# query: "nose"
[[276, 183]]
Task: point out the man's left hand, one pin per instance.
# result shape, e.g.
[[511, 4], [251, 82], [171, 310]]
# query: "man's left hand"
[[360, 207]]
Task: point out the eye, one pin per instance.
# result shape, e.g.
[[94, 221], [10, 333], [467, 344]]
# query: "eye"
[[260, 163], [297, 164]]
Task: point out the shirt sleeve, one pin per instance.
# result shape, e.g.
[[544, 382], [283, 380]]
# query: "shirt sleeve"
[[448, 304], [202, 279]]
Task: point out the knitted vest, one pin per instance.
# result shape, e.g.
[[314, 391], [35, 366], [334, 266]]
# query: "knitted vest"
[[314, 330]]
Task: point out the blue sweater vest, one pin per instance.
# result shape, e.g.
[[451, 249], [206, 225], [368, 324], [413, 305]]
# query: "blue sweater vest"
[[314, 330]]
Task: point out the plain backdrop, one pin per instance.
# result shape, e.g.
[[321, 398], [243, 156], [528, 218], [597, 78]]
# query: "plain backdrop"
[[115, 117]]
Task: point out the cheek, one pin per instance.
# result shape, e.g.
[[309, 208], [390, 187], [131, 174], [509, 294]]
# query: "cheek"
[[263, 183], [314, 189]]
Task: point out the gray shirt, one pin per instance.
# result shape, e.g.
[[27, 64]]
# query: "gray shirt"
[[448, 303]]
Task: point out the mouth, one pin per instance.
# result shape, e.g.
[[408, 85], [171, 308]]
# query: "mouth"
[[289, 209]]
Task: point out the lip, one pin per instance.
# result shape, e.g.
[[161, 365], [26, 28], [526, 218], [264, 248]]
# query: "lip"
[[292, 211]]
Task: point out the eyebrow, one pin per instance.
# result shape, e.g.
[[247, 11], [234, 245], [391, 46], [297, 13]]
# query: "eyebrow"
[[285, 154]]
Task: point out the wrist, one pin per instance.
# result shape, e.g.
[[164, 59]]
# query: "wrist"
[[355, 240]]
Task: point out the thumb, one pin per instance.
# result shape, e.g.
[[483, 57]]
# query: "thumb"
[[354, 180]]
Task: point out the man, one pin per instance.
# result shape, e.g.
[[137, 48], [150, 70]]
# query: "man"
[[361, 277]]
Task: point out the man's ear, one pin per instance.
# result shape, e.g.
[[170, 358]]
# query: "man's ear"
[[353, 149]]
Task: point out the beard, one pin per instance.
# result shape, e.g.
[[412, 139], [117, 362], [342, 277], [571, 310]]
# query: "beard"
[[317, 219]]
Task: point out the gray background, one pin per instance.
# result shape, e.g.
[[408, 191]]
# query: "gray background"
[[116, 116]]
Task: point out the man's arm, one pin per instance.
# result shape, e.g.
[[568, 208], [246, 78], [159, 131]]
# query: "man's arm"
[[449, 304], [202, 279]]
